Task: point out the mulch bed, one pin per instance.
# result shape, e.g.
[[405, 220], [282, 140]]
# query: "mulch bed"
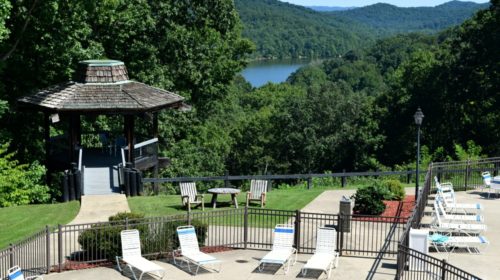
[[215, 249], [402, 209]]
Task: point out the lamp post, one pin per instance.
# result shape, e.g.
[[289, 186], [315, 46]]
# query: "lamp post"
[[419, 116]]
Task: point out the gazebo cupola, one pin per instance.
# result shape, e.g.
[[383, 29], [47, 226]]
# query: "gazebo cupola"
[[100, 87]]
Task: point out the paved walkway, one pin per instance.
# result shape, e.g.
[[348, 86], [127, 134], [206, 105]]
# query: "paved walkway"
[[98, 208]]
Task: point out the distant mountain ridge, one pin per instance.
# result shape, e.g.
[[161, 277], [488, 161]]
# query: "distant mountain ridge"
[[329, 8], [390, 19], [283, 30]]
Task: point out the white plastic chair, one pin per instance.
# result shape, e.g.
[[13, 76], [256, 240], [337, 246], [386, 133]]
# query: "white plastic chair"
[[449, 243], [441, 226], [282, 250], [131, 255], [325, 257], [439, 210], [15, 273], [190, 250], [449, 202]]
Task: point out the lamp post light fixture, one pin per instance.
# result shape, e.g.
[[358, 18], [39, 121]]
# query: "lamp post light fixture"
[[419, 116]]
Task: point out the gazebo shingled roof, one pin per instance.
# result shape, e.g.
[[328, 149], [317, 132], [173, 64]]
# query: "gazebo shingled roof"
[[102, 86]]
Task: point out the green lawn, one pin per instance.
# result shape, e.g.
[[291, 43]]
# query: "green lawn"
[[287, 199], [19, 222]]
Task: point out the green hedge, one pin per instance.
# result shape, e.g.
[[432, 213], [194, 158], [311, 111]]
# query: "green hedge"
[[103, 241]]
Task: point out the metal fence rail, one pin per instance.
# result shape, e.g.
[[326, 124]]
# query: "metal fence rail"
[[421, 266], [96, 244]]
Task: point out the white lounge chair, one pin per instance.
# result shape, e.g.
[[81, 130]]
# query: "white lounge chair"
[[258, 190], [440, 226], [282, 250], [15, 273], [450, 204], [190, 251], [439, 210], [325, 257], [450, 243], [131, 255]]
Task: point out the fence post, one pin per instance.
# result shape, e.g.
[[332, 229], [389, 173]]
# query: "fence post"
[[309, 182], [245, 227], [343, 179], [495, 172], [443, 269], [11, 254], [467, 170], [226, 181], [126, 222], [340, 234], [59, 247], [189, 218], [408, 175], [47, 247], [297, 230]]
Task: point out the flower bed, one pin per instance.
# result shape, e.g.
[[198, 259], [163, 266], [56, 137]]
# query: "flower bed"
[[393, 208]]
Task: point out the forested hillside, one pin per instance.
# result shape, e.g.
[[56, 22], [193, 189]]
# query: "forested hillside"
[[283, 30], [352, 112], [389, 19]]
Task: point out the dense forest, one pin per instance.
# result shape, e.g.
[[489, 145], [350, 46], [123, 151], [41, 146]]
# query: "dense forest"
[[282, 30], [352, 112]]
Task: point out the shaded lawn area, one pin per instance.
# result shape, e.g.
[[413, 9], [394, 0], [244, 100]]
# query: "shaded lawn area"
[[161, 205], [19, 222]]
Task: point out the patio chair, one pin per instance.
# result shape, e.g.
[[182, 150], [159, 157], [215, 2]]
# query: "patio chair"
[[15, 273], [190, 252], [258, 190], [450, 204], [189, 195], [282, 250], [456, 227], [449, 243], [439, 210], [131, 256], [325, 257]]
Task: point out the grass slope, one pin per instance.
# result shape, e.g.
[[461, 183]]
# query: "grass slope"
[[19, 222]]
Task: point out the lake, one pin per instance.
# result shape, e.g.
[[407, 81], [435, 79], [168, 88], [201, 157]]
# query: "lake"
[[259, 73]]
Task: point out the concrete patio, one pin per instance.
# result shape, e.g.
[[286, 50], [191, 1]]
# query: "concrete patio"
[[238, 264]]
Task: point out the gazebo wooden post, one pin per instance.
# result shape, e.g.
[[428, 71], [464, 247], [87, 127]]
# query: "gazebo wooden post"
[[129, 133], [46, 136], [74, 121], [155, 135]]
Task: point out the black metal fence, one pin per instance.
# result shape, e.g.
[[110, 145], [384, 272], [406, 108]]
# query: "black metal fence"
[[96, 244], [421, 266], [342, 179], [464, 175]]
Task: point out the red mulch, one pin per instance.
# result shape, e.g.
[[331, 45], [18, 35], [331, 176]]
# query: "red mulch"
[[401, 209]]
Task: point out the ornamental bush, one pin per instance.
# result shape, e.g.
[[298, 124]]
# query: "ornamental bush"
[[369, 200], [395, 188], [102, 241]]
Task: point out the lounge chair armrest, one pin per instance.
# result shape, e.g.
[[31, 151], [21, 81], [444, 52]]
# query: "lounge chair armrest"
[[200, 195], [249, 194], [185, 198], [263, 195]]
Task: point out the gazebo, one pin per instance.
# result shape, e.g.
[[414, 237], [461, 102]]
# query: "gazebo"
[[101, 87]]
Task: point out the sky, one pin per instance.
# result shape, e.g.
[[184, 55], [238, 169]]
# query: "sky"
[[360, 3]]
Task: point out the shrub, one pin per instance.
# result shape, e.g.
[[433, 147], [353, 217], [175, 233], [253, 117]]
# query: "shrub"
[[165, 237], [369, 200], [103, 241], [396, 189]]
